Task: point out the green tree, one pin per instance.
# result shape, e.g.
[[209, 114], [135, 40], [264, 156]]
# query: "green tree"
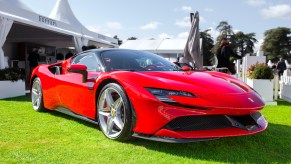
[[277, 43], [225, 30], [207, 45], [132, 38], [244, 43]]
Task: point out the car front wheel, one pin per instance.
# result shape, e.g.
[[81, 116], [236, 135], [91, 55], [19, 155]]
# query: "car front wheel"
[[36, 95], [115, 113]]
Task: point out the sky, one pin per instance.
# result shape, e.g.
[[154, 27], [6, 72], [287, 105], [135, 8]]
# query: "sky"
[[171, 18]]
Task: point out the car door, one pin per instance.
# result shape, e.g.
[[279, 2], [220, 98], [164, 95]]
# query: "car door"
[[76, 95]]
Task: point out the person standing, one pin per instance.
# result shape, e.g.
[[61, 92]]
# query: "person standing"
[[33, 59], [281, 67], [223, 56]]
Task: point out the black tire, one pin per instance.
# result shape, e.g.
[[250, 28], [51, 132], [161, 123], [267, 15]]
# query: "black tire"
[[114, 113], [37, 95]]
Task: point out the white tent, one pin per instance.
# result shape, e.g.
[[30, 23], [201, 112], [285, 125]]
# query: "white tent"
[[132, 44], [167, 48], [145, 45], [60, 29], [171, 46], [156, 46], [5, 25], [63, 13]]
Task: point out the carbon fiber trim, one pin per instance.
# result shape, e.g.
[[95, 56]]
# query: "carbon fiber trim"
[[170, 140]]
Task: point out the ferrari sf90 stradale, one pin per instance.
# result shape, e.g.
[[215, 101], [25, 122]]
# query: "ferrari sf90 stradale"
[[131, 93]]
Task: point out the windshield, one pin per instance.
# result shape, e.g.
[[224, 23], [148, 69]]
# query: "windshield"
[[132, 60]]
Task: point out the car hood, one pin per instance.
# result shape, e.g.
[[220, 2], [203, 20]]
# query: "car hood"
[[203, 82], [211, 89]]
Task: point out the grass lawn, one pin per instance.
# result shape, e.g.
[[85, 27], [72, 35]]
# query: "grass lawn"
[[30, 137]]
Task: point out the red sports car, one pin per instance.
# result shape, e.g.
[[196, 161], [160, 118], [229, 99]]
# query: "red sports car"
[[132, 93]]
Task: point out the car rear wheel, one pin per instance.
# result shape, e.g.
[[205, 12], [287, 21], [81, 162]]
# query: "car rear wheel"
[[115, 113], [36, 95]]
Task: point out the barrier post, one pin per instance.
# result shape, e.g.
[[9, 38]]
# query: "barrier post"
[[276, 81]]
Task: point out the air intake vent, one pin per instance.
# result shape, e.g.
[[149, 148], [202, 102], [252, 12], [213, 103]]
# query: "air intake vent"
[[190, 123]]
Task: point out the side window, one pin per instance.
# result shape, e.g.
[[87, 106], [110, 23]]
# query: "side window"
[[88, 59]]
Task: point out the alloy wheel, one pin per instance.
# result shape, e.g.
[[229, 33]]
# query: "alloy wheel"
[[111, 112], [36, 94]]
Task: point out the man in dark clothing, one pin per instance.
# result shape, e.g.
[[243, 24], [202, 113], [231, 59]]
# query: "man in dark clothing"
[[281, 67], [223, 55], [33, 59]]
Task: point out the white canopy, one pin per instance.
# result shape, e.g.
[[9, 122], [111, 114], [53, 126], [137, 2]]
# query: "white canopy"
[[34, 26], [16, 10], [172, 46], [5, 25], [157, 46], [64, 14]]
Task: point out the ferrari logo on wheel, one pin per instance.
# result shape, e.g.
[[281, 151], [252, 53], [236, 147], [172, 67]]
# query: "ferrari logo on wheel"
[[112, 112]]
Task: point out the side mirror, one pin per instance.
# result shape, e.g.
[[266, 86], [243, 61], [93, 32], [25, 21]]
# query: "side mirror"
[[177, 64], [81, 69], [186, 68]]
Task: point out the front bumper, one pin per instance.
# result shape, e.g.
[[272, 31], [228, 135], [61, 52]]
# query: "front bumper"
[[154, 118], [200, 128]]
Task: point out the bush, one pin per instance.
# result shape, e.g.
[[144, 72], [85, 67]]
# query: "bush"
[[11, 74], [260, 71]]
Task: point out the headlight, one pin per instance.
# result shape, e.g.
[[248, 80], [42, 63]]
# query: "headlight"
[[162, 94]]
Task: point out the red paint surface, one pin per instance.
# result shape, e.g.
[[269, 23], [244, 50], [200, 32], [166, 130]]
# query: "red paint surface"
[[220, 93]]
